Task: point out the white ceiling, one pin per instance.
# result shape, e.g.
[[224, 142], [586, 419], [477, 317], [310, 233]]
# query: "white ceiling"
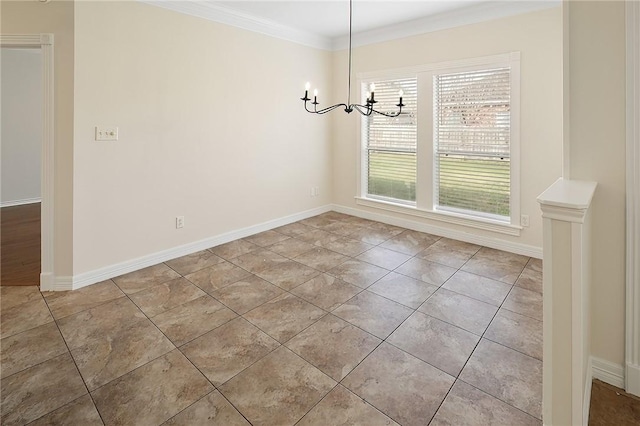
[[324, 24], [330, 18]]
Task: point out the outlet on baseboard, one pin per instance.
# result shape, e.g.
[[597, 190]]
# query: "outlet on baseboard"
[[179, 222], [524, 220]]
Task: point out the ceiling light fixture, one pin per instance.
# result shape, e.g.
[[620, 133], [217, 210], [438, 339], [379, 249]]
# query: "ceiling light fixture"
[[367, 109]]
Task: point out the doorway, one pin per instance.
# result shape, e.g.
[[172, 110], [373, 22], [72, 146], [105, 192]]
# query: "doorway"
[[20, 171], [27, 224]]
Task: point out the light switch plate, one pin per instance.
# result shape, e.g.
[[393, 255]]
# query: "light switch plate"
[[106, 133]]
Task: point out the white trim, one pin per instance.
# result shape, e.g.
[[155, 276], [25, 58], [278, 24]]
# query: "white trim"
[[579, 310], [469, 15], [499, 60], [608, 372], [482, 12], [496, 243], [632, 341], [20, 202], [547, 323], [442, 216], [567, 200], [62, 283], [111, 271], [566, 93], [214, 12], [45, 43]]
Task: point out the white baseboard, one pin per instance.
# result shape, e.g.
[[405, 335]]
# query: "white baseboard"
[[47, 281], [63, 283], [632, 376], [20, 202], [608, 372], [496, 243], [111, 271]]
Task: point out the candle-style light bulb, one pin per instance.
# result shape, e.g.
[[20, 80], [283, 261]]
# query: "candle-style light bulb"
[[306, 91], [315, 92], [372, 87], [401, 93]]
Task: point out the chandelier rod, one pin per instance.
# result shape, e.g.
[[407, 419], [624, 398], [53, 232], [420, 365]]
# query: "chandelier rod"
[[350, 36]]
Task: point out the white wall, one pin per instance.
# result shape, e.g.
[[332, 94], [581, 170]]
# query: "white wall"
[[21, 94], [55, 17], [211, 128], [538, 36], [597, 146]]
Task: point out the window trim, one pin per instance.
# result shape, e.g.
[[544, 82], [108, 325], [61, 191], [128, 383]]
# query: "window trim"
[[425, 202], [364, 148]]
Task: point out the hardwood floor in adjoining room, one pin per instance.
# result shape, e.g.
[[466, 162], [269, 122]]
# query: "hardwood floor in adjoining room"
[[613, 406], [20, 245]]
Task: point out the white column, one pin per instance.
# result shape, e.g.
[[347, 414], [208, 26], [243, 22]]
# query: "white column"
[[566, 305]]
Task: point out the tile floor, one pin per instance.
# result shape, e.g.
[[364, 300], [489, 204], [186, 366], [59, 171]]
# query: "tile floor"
[[331, 320]]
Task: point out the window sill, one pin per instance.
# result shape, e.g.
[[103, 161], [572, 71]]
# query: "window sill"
[[456, 219]]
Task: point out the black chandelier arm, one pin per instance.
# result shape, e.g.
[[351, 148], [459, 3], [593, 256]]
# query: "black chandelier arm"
[[364, 110], [368, 110], [322, 111]]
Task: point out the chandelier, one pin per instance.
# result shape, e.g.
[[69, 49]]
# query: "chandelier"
[[365, 110]]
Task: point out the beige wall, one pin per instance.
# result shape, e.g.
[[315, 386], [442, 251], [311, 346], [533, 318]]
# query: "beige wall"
[[538, 36], [21, 123], [56, 17], [211, 128], [597, 120]]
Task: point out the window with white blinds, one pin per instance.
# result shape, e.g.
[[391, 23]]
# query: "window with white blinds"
[[454, 155], [472, 128], [390, 143]]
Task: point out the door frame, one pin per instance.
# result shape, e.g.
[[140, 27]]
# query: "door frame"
[[44, 42], [632, 338]]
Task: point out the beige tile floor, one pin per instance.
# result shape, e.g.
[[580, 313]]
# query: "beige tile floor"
[[328, 321]]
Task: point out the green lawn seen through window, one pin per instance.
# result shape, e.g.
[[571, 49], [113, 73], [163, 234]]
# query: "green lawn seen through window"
[[477, 184]]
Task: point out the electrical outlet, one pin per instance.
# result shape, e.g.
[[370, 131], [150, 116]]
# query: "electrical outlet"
[[179, 222], [105, 133], [316, 191], [524, 220]]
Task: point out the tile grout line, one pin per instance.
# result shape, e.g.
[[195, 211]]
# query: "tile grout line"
[[75, 365], [361, 290], [474, 350]]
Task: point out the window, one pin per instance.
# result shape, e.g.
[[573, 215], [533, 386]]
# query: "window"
[[391, 143], [472, 125], [453, 154]]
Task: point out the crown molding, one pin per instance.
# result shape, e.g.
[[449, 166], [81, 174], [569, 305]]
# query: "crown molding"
[[224, 15], [469, 15]]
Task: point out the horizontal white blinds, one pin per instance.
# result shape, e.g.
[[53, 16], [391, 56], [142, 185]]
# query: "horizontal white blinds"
[[391, 142], [472, 125]]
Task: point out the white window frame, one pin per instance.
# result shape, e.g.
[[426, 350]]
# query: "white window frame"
[[363, 183], [425, 202]]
